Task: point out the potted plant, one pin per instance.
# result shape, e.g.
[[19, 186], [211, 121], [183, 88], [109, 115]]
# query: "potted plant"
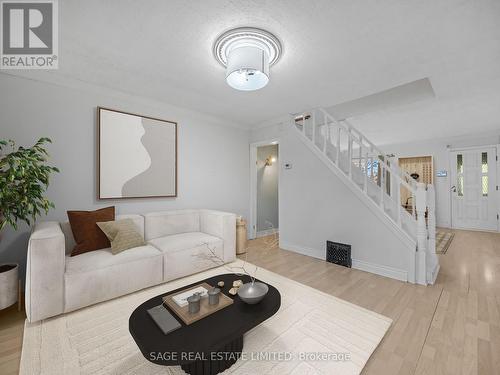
[[24, 178]]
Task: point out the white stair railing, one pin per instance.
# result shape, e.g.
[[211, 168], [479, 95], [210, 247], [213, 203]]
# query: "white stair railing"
[[368, 168]]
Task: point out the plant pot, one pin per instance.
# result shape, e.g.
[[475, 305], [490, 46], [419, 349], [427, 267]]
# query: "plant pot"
[[9, 276]]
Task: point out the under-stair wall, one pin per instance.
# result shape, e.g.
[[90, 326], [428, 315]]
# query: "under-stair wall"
[[316, 206], [336, 185]]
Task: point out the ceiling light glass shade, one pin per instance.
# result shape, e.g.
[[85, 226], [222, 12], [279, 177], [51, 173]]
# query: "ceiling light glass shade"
[[247, 68], [247, 53]]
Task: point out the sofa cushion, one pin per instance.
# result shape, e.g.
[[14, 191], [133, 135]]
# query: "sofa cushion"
[[87, 234], [104, 258], [99, 275], [186, 253], [166, 223], [184, 241]]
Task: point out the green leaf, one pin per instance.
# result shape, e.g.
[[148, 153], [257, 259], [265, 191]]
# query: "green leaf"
[[24, 178]]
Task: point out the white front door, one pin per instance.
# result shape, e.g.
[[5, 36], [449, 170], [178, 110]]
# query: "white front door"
[[473, 192]]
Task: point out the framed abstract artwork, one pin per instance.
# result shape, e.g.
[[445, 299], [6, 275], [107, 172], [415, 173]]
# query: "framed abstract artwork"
[[137, 156]]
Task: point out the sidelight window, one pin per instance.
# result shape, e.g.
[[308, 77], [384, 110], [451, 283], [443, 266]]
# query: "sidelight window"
[[460, 175], [484, 173]]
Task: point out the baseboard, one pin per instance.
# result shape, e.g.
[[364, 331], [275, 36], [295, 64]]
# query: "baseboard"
[[475, 229], [267, 232], [432, 276], [309, 251], [393, 273]]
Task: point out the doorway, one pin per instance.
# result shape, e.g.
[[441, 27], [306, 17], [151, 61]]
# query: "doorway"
[[474, 188], [265, 170], [420, 168]]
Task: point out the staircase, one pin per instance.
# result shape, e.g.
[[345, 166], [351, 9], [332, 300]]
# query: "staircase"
[[377, 181]]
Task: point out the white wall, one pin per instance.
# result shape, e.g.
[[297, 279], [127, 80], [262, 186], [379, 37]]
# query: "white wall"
[[316, 206], [267, 188], [438, 149], [213, 158]]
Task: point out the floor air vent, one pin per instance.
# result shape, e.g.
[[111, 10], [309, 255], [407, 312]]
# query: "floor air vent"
[[338, 253]]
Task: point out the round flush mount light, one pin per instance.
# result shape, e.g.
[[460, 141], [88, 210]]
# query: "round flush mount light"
[[247, 53]]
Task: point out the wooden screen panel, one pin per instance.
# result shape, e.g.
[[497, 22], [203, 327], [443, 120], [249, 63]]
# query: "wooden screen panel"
[[423, 166]]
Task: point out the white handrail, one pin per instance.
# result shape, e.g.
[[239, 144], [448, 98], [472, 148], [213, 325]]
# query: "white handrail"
[[360, 136], [402, 178], [407, 182], [356, 136]]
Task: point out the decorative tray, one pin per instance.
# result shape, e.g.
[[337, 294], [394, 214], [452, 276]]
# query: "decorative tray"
[[205, 309]]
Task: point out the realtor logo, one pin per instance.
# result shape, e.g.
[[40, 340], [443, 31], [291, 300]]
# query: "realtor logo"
[[29, 37]]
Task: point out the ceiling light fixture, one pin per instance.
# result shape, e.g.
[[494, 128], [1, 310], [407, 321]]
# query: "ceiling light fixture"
[[247, 53]]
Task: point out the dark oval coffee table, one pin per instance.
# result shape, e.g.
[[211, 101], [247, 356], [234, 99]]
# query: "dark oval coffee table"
[[210, 345]]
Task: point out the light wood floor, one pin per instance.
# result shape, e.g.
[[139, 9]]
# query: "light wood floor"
[[452, 327], [11, 339]]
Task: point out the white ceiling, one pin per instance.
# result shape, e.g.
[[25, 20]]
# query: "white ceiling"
[[334, 51], [408, 93]]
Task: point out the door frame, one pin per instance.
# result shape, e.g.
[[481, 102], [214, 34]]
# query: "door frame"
[[252, 229], [451, 183]]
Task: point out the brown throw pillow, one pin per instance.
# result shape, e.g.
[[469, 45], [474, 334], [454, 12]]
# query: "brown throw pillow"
[[88, 236]]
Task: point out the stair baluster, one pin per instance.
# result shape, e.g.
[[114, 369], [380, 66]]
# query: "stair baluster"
[[398, 201], [337, 160], [382, 184], [313, 122], [326, 132], [349, 152], [365, 175], [421, 207]]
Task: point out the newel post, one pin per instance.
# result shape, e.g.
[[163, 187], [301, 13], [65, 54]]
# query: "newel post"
[[421, 205], [431, 257]]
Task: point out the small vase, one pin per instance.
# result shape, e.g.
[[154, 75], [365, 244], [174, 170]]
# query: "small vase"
[[253, 292], [213, 296], [194, 303]]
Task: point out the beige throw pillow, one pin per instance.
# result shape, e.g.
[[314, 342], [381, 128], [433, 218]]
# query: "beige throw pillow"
[[122, 234]]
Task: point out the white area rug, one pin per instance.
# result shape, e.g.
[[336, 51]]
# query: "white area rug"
[[95, 340]]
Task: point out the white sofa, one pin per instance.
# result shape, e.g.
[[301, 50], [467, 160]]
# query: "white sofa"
[[57, 283]]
